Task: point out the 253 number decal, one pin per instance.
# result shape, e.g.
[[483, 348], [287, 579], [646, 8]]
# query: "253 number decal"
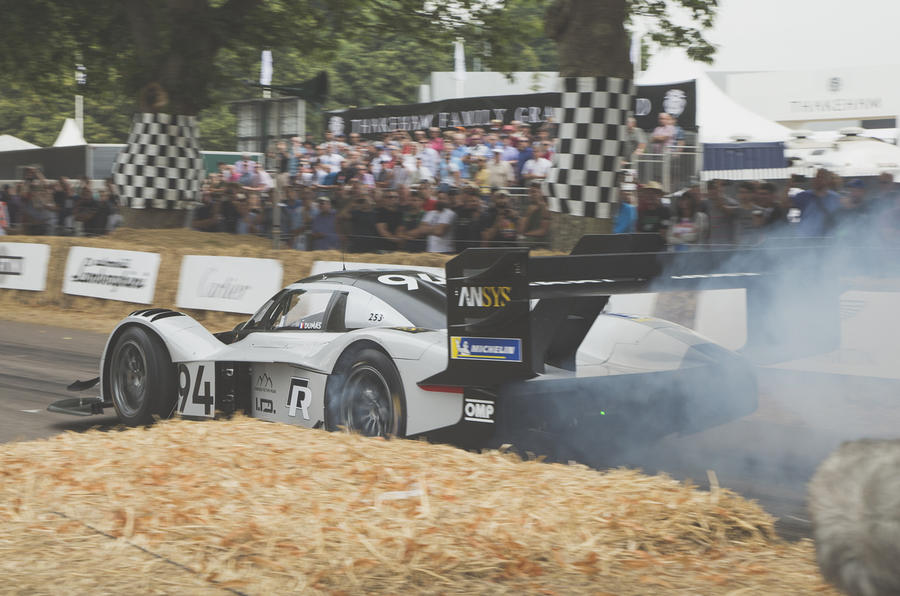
[[197, 389]]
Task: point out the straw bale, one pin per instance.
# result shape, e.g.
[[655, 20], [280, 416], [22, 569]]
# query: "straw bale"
[[245, 506]]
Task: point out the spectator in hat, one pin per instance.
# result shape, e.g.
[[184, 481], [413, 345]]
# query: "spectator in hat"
[[653, 216], [499, 171]]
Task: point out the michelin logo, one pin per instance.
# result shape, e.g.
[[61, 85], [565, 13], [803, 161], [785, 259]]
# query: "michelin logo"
[[486, 348]]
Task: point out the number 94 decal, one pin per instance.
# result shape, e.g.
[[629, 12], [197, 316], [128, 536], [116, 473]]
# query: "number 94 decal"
[[197, 389]]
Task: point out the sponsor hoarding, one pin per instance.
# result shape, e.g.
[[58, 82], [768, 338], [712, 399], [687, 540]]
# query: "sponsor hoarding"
[[508, 349], [126, 275], [679, 99], [227, 284], [23, 266]]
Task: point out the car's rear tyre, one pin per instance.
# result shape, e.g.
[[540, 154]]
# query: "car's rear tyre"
[[142, 382], [365, 395]]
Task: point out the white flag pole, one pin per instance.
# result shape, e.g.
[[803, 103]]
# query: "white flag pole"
[[459, 66], [265, 72]]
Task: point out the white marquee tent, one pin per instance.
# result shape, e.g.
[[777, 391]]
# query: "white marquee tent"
[[70, 135], [11, 143]]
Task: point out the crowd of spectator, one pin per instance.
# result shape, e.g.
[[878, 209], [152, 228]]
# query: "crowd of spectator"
[[422, 191], [746, 213], [37, 206], [445, 191]]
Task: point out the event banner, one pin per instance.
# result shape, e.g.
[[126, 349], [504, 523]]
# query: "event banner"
[[125, 275], [227, 284], [24, 266], [679, 99]]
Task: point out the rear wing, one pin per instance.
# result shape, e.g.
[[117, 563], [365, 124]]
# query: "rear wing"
[[495, 336]]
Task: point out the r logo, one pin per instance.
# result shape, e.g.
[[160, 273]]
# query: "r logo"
[[299, 396]]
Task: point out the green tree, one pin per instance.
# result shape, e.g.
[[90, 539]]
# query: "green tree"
[[192, 56]]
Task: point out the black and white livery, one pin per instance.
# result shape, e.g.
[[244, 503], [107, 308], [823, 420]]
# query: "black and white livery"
[[506, 343]]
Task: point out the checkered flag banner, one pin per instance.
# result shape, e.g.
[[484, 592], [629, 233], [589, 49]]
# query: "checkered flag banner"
[[161, 166], [592, 117]]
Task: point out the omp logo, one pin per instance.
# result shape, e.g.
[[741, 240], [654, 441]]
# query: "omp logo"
[[264, 383], [478, 410], [484, 296]]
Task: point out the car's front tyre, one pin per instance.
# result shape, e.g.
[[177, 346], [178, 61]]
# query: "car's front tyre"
[[365, 394], [141, 378]]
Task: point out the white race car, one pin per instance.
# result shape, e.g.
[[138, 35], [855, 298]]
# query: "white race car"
[[489, 352]]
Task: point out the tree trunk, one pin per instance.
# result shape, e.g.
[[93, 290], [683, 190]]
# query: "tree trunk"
[[161, 167], [596, 99], [591, 38]]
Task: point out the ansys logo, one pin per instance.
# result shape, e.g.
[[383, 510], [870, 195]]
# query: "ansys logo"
[[264, 383], [484, 296]]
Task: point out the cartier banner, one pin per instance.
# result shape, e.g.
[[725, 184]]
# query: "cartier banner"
[[227, 284], [532, 108]]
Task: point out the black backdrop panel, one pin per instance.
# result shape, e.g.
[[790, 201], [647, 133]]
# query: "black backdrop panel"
[[532, 108]]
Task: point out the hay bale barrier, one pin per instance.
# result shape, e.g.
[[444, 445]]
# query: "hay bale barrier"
[[243, 506], [250, 507], [94, 314]]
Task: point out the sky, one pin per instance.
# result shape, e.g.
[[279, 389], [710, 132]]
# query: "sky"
[[805, 34]]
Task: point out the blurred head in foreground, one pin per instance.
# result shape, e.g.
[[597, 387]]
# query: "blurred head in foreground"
[[854, 501]]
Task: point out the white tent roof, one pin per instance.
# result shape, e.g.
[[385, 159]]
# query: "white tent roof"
[[69, 135], [850, 155], [11, 143], [719, 117]]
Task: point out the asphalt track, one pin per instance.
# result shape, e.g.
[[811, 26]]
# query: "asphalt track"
[[769, 455]]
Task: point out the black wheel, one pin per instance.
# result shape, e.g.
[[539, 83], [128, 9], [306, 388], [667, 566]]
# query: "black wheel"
[[141, 378], [365, 395]]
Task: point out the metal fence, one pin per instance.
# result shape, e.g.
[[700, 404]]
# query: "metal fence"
[[673, 169]]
